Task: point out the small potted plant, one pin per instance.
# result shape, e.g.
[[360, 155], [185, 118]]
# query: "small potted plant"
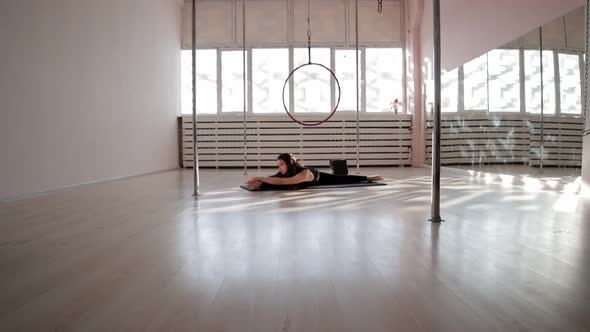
[[395, 105]]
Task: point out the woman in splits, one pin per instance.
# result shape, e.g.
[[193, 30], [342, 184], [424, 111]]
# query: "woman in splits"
[[292, 175]]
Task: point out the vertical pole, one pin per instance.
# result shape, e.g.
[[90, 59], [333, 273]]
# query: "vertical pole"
[[435, 199], [542, 99], [356, 28], [585, 60], [195, 154], [308, 31], [244, 83], [521, 74], [404, 60], [585, 192]]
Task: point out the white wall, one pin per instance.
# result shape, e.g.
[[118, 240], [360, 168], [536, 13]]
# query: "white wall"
[[284, 23], [89, 90], [470, 28], [566, 32]]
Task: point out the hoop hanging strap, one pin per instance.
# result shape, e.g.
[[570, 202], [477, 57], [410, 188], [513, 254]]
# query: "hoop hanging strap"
[[308, 33], [308, 46]]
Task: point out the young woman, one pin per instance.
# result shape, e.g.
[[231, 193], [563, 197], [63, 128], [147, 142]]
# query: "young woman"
[[292, 175]]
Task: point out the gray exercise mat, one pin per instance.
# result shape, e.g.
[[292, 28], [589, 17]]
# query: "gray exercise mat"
[[328, 186]]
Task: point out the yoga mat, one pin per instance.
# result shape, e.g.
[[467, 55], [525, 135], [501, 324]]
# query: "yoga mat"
[[331, 186]]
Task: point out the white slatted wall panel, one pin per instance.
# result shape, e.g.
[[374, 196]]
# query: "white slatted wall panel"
[[385, 139], [562, 141], [507, 138]]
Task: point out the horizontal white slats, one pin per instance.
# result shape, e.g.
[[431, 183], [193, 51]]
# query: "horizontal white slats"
[[481, 138], [485, 160], [507, 138], [470, 149], [563, 144], [384, 139], [561, 140]]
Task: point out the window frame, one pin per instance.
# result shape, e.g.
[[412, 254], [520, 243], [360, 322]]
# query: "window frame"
[[250, 83], [220, 81], [217, 77], [362, 80], [332, 98], [555, 82], [557, 78], [580, 55], [363, 102]]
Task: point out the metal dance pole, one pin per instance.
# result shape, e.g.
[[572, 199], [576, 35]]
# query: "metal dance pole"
[[585, 82], [195, 154], [435, 199], [356, 31], [244, 82], [542, 108], [404, 62]]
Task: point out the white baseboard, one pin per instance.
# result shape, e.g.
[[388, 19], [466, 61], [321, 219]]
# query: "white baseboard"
[[53, 190]]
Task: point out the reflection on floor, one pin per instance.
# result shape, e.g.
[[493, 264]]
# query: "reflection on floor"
[[561, 179], [143, 254]]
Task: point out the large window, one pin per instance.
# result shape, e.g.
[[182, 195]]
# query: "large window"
[[450, 91], [532, 82], [206, 81], [270, 68], [384, 78], [504, 80], [492, 82], [569, 80], [346, 74], [232, 83], [311, 90], [475, 84]]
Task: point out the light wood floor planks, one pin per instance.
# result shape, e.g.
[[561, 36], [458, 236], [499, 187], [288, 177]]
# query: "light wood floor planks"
[[142, 254]]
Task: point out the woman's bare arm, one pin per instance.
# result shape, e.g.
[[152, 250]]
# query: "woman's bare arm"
[[303, 176]]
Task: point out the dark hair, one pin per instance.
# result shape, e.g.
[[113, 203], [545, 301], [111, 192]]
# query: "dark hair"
[[293, 166]]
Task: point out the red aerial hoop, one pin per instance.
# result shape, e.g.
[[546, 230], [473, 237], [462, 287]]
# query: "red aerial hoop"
[[309, 63], [311, 124]]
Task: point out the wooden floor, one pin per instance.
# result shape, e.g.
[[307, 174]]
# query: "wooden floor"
[[561, 179], [141, 254]]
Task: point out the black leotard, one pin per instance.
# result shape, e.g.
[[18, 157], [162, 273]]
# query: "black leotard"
[[319, 178]]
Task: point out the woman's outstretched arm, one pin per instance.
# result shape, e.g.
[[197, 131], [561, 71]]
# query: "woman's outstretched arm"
[[303, 176]]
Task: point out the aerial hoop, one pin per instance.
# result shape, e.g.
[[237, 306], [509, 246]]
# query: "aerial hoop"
[[311, 124], [309, 63]]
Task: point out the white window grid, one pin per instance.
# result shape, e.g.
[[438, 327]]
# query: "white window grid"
[[461, 76], [460, 83], [292, 108]]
